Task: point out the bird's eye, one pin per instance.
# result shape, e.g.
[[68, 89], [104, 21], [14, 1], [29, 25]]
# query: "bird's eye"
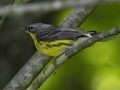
[[30, 28]]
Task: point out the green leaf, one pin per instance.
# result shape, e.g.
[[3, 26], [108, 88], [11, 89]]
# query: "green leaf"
[[82, 31], [20, 1], [109, 38]]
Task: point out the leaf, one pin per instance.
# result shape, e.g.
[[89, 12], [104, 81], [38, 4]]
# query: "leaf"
[[109, 38], [82, 31], [20, 1]]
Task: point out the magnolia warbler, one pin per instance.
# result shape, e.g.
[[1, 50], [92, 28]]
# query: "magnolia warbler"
[[52, 40]]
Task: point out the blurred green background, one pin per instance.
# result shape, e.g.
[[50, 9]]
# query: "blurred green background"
[[95, 68]]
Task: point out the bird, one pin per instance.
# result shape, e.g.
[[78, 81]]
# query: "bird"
[[54, 40]]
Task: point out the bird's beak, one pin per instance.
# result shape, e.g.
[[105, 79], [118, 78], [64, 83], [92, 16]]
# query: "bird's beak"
[[23, 29]]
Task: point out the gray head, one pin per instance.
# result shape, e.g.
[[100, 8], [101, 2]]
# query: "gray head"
[[37, 27]]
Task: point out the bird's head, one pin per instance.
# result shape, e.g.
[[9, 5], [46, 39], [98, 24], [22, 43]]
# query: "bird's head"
[[34, 28]]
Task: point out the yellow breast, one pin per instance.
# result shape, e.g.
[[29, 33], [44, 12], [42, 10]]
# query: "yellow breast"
[[52, 48]]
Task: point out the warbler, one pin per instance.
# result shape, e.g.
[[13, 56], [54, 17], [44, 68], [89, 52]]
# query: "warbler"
[[52, 40]]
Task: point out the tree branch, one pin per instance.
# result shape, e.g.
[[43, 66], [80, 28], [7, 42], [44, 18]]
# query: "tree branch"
[[47, 7], [41, 7], [80, 14], [70, 53], [38, 61]]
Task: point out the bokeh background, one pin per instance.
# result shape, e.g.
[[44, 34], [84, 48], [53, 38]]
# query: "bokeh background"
[[95, 68]]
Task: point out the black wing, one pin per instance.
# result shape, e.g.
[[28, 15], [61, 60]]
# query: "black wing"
[[58, 34]]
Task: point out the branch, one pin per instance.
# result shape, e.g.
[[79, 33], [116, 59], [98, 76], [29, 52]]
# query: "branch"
[[70, 53], [77, 16], [38, 61], [47, 7]]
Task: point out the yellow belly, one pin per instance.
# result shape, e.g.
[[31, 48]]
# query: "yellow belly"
[[53, 48]]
